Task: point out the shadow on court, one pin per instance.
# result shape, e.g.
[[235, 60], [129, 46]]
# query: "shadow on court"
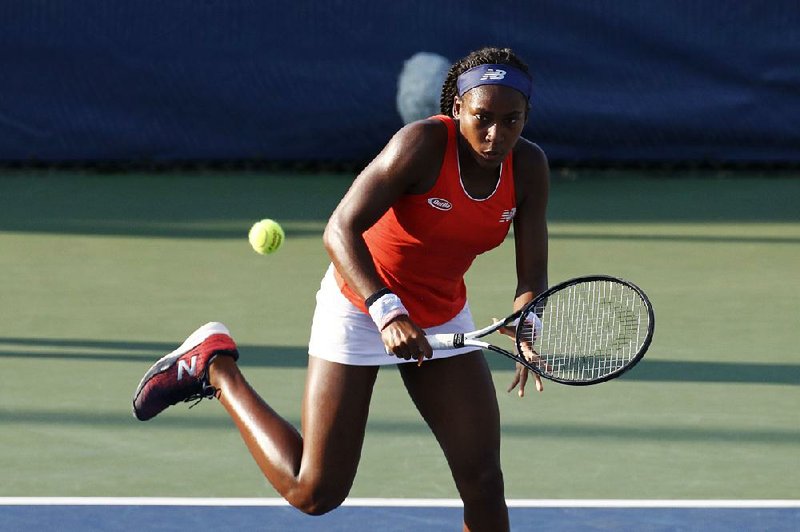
[[222, 204], [198, 419], [295, 357]]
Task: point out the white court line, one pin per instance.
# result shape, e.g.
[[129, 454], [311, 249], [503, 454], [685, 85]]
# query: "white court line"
[[432, 503]]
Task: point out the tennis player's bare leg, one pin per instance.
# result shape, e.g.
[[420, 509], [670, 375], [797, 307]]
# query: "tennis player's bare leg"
[[313, 472], [456, 396]]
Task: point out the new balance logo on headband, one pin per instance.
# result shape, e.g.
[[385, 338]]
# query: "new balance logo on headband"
[[494, 75]]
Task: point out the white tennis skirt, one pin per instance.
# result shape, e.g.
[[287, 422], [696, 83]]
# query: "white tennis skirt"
[[340, 332]]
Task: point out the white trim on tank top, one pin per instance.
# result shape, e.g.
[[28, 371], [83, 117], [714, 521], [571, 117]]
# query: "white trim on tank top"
[[461, 181]]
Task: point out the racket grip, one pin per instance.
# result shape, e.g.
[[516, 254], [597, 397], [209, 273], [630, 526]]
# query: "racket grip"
[[445, 341]]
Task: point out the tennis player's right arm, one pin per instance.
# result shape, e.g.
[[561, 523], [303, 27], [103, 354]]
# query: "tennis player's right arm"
[[403, 166]]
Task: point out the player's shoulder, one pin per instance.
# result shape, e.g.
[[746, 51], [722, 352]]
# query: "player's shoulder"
[[531, 169], [529, 153], [417, 148], [429, 135]]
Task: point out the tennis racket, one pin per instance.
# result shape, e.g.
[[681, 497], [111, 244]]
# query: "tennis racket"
[[583, 331]]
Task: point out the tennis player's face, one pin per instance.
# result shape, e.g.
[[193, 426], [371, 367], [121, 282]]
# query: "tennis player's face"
[[491, 118]]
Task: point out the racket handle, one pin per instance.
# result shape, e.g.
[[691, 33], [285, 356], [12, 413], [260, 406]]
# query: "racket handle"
[[445, 341]]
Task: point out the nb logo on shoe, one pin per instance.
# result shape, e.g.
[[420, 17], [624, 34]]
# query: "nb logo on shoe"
[[190, 369], [494, 75], [439, 203]]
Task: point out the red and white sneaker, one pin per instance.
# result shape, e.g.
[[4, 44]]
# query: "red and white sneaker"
[[183, 374]]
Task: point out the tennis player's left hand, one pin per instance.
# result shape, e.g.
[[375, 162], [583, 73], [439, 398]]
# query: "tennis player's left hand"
[[521, 372], [521, 378]]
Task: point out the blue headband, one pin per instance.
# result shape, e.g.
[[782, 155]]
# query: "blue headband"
[[495, 75]]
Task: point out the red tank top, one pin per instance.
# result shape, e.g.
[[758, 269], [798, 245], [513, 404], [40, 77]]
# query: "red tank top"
[[425, 243]]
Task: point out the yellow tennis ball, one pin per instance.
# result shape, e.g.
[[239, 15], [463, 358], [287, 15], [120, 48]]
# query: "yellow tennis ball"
[[266, 236]]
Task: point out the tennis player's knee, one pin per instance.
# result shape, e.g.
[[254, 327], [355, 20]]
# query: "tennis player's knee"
[[318, 497], [316, 503], [482, 482]]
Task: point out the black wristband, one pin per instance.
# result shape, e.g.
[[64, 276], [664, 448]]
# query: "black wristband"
[[376, 296]]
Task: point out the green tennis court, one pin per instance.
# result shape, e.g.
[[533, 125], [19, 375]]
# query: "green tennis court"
[[102, 273]]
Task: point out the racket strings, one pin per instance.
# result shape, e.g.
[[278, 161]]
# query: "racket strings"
[[588, 330]]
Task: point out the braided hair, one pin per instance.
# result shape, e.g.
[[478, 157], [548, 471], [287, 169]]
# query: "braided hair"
[[483, 56]]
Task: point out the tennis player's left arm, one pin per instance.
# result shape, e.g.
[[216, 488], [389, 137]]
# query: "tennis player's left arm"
[[532, 184], [532, 180]]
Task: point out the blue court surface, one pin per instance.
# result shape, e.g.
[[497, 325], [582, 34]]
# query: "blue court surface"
[[88, 514]]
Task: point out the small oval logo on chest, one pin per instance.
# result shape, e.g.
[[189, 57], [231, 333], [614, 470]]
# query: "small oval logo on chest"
[[439, 203]]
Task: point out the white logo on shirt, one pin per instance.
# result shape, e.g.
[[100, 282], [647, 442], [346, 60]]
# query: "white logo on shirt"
[[494, 75], [507, 216], [439, 203]]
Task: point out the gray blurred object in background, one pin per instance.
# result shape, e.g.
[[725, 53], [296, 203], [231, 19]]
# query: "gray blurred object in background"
[[420, 85]]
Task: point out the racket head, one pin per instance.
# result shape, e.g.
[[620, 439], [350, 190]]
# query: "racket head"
[[593, 328]]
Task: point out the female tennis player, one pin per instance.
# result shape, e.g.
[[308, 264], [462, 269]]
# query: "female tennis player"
[[442, 191]]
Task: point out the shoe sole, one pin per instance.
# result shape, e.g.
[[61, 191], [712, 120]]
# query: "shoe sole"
[[168, 360]]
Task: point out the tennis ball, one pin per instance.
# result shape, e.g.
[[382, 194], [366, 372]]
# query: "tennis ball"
[[266, 236]]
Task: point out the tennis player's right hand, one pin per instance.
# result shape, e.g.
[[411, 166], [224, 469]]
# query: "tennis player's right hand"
[[404, 339]]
